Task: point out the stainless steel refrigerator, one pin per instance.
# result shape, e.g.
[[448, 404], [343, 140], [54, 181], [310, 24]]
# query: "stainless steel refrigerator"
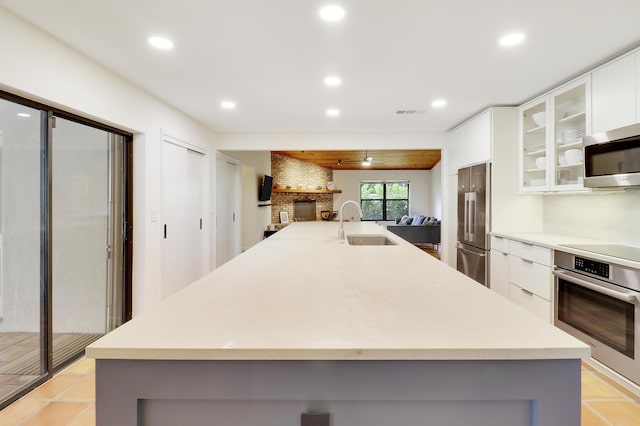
[[474, 219]]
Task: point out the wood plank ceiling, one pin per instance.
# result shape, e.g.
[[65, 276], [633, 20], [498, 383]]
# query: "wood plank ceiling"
[[382, 159]]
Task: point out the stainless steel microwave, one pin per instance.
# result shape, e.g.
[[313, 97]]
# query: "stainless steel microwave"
[[612, 159]]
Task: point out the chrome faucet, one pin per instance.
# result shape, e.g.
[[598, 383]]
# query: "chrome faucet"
[[341, 230]]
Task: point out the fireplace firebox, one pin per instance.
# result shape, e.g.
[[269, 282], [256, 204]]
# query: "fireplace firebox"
[[304, 210]]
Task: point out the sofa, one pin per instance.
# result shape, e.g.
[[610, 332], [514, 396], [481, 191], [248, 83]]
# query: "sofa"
[[417, 229]]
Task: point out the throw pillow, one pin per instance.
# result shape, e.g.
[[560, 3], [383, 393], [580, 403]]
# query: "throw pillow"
[[404, 219], [418, 221]]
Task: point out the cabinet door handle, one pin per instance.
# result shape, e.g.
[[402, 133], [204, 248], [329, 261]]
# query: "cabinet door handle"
[[527, 260], [530, 293]]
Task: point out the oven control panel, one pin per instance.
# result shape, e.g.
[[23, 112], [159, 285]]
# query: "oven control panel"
[[592, 267]]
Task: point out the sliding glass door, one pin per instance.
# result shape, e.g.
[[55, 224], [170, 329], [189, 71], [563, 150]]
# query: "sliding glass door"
[[65, 262], [86, 204], [20, 248]]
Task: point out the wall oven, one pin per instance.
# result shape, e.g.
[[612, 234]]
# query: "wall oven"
[[599, 303]]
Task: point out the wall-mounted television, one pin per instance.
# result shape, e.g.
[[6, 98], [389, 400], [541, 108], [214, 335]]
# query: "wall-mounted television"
[[265, 188]]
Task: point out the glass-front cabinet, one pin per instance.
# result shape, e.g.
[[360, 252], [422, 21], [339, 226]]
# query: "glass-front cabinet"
[[551, 132], [533, 159]]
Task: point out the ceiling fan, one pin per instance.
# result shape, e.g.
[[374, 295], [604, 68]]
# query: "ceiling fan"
[[366, 160]]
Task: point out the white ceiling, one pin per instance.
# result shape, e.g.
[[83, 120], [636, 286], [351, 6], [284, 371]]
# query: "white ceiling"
[[271, 56]]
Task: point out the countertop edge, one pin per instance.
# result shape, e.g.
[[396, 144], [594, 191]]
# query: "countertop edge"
[[339, 354]]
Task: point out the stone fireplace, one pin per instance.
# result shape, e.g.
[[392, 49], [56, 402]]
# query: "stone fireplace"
[[300, 179]]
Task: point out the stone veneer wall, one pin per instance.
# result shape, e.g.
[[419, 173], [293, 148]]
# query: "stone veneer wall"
[[288, 171]]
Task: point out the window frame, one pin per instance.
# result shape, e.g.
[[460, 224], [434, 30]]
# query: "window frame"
[[384, 198]]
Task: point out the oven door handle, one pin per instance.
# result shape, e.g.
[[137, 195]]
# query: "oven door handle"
[[567, 276]]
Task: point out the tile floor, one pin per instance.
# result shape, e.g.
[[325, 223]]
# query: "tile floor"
[[66, 400], [605, 403], [69, 400]]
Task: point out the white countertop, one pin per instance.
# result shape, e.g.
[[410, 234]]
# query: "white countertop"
[[558, 242], [302, 295]]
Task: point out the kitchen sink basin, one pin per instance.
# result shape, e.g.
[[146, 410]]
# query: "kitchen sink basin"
[[369, 240]]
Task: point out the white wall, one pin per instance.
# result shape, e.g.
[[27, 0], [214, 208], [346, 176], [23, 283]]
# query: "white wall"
[[330, 140], [255, 220], [419, 187], [41, 68], [436, 191], [510, 211]]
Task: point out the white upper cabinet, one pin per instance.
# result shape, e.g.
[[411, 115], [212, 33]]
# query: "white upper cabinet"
[[615, 94], [533, 146], [551, 132], [471, 142]]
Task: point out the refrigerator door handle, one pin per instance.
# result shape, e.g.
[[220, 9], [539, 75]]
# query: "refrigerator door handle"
[[461, 247], [472, 216], [466, 216]]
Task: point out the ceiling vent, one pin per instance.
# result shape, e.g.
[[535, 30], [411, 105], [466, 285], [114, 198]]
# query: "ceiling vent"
[[410, 111]]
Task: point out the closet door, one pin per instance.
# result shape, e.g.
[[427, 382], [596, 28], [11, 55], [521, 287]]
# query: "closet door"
[[226, 247], [185, 248], [196, 225]]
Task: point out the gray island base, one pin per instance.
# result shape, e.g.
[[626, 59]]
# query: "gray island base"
[[373, 335], [355, 393]]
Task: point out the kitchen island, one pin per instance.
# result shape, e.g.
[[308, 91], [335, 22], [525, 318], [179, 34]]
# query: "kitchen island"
[[374, 335]]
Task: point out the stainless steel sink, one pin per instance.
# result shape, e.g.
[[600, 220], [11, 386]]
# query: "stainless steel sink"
[[369, 240]]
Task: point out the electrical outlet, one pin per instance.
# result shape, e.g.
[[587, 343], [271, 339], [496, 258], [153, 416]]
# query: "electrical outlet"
[[314, 419]]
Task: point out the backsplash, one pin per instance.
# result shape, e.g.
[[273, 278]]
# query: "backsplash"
[[291, 172], [610, 217]]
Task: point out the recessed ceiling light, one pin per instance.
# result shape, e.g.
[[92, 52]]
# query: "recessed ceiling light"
[[512, 39], [332, 80], [332, 13], [161, 43], [23, 114], [228, 104], [438, 103], [332, 112]]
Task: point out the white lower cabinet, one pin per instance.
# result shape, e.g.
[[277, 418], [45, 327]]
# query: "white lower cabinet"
[[530, 276], [522, 273], [499, 272], [531, 302]]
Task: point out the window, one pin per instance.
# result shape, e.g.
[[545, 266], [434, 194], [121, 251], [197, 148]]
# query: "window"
[[384, 200]]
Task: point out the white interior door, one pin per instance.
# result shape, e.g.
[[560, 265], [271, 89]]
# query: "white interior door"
[[196, 226], [185, 247], [225, 211]]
